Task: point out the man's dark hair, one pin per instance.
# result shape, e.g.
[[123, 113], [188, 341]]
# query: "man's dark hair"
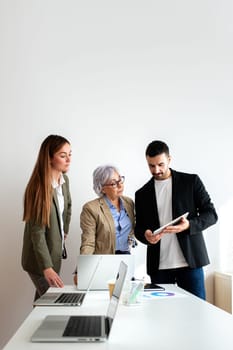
[[157, 147]]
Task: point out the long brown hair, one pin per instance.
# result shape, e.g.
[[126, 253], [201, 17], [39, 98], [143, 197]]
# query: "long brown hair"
[[38, 193]]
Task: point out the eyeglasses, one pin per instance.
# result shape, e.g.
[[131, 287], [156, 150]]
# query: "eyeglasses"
[[116, 183]]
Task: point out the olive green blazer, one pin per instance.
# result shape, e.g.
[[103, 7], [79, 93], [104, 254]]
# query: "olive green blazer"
[[97, 225], [42, 246]]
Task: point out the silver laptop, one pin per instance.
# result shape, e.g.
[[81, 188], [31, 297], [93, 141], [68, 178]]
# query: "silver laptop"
[[66, 298], [82, 328], [107, 269], [60, 299]]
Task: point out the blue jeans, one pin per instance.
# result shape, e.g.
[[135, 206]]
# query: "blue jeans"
[[189, 279]]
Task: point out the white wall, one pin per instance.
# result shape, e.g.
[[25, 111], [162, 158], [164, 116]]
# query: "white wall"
[[111, 76]]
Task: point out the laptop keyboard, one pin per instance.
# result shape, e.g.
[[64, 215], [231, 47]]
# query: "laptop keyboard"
[[83, 326], [71, 298]]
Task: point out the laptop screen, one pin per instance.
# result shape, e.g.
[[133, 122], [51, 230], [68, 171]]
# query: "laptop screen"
[[107, 268], [120, 278]]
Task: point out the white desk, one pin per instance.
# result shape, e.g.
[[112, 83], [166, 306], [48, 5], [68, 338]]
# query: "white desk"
[[167, 323]]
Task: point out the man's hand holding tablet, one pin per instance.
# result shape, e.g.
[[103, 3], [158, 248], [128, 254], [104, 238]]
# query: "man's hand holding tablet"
[[171, 223]]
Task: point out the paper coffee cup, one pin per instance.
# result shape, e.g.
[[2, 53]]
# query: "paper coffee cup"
[[111, 285]]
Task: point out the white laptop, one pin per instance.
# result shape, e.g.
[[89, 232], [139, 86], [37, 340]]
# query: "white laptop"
[[107, 267], [66, 298], [82, 328], [60, 299]]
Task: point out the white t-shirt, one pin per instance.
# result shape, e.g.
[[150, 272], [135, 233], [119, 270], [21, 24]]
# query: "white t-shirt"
[[171, 255]]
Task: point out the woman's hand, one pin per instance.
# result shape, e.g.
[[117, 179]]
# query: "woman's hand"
[[53, 278]]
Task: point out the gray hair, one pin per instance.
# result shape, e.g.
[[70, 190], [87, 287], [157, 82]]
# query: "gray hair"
[[101, 176]]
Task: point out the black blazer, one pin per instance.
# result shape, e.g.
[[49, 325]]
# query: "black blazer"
[[188, 194]]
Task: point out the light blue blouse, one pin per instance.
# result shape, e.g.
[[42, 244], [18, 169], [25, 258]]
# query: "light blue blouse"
[[122, 223]]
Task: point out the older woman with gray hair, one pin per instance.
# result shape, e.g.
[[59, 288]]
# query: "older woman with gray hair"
[[107, 222]]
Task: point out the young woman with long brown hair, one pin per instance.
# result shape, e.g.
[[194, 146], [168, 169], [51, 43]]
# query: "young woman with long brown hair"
[[47, 213]]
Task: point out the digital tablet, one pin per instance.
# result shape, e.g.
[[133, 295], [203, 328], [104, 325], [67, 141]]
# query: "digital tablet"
[[173, 222], [152, 287]]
